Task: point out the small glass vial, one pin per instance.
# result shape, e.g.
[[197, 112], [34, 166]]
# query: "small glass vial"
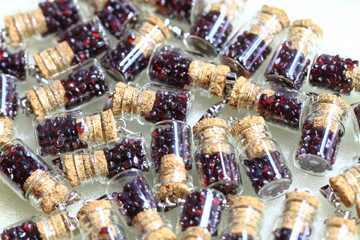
[[212, 22], [171, 158], [135, 200], [14, 60], [98, 220], [215, 156], [263, 160], [69, 90], [76, 45], [69, 131], [321, 134], [248, 49], [356, 119], [339, 227], [276, 104], [152, 102], [181, 10], [173, 66], [290, 63], [335, 73], [59, 225], [245, 215], [201, 214], [30, 177], [297, 216], [50, 17], [132, 53]]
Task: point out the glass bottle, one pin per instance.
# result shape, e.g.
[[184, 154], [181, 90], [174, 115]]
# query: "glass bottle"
[[172, 161], [290, 63], [59, 225], [212, 22], [245, 215], [78, 44], [50, 17], [297, 216], [134, 198], [181, 10], [339, 227], [262, 158], [250, 46], [201, 214], [321, 134], [30, 177], [69, 90], [14, 60], [171, 65], [98, 220], [355, 114], [152, 102], [276, 104], [133, 51], [215, 156]]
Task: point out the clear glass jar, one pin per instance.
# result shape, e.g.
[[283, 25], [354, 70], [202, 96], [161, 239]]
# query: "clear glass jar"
[[181, 10], [78, 44], [290, 63], [250, 46], [59, 225], [215, 157], [340, 227], [152, 103], [50, 17], [173, 66], [69, 90], [297, 216], [212, 22], [98, 220], [245, 215], [133, 51], [135, 200], [201, 214], [321, 134], [30, 177], [172, 161], [262, 158], [355, 114], [69, 131], [14, 60], [276, 104]]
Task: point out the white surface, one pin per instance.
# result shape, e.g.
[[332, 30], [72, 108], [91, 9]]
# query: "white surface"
[[341, 35]]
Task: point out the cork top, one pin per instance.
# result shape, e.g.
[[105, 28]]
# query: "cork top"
[[343, 189], [233, 99], [303, 196], [310, 24], [332, 98], [240, 124], [247, 200], [154, 19], [208, 122], [93, 205], [279, 13], [339, 220]]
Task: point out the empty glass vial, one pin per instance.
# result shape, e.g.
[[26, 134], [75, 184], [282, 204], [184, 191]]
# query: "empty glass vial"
[[215, 156], [323, 128], [262, 158], [172, 161], [69, 131], [290, 63], [276, 104], [134, 198], [78, 44], [75, 87], [14, 60], [59, 225], [245, 215], [133, 51], [180, 10], [212, 23], [50, 17], [250, 46], [152, 102], [297, 217], [98, 220], [30, 177], [356, 121], [339, 227], [201, 214]]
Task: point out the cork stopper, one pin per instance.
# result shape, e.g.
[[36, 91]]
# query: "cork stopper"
[[40, 20], [110, 125], [92, 206], [99, 4], [247, 201], [163, 233], [335, 228], [102, 127], [301, 204], [354, 74], [235, 93], [12, 29], [357, 205], [343, 189], [290, 221], [208, 123], [55, 227], [158, 22], [229, 8], [241, 124], [118, 98], [305, 23], [6, 126], [280, 14], [196, 233], [145, 47], [352, 176], [240, 230], [147, 221], [201, 73]]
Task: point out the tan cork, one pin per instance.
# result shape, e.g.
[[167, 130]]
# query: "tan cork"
[[354, 74], [235, 93], [357, 205], [196, 233], [57, 58], [147, 102], [307, 23], [303, 196], [280, 14], [11, 29], [89, 170], [60, 91], [136, 100], [352, 176], [228, 9], [65, 51], [172, 191], [91, 128], [301, 204], [6, 125], [56, 195], [40, 20], [99, 4], [44, 99], [212, 129], [343, 189], [48, 62], [54, 227], [163, 233], [240, 229], [217, 85], [239, 125], [247, 201], [127, 101], [207, 123], [110, 125], [201, 73], [98, 128], [21, 26], [329, 98], [101, 163], [80, 167], [70, 171], [85, 134], [145, 47], [338, 220], [93, 205], [41, 65], [156, 20], [4, 139], [118, 98], [147, 221], [290, 221]]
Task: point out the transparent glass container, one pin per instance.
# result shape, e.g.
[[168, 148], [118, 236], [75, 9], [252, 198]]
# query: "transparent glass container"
[[212, 22], [71, 89], [181, 10], [14, 60], [290, 63], [215, 157], [262, 157], [355, 115], [251, 45], [152, 102], [30, 177], [134, 198], [133, 51], [340, 227]]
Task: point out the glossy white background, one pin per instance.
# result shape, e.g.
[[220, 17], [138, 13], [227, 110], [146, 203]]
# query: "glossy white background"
[[339, 20]]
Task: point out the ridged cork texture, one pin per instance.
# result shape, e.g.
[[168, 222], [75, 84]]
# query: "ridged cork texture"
[[110, 125], [240, 230], [6, 126], [238, 126], [247, 201], [208, 123], [70, 171], [97, 128], [163, 233], [40, 20], [235, 92], [156, 20], [12, 29], [301, 204], [343, 190], [55, 227], [196, 233], [280, 14], [352, 176], [101, 163], [147, 221], [291, 221], [201, 73], [99, 4], [145, 46], [354, 74], [118, 97], [146, 103], [217, 85], [308, 23], [83, 135], [92, 206], [210, 129], [335, 223], [329, 98]]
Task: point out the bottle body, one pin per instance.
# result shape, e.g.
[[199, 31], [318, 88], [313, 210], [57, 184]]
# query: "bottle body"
[[181, 10], [340, 227], [14, 61]]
